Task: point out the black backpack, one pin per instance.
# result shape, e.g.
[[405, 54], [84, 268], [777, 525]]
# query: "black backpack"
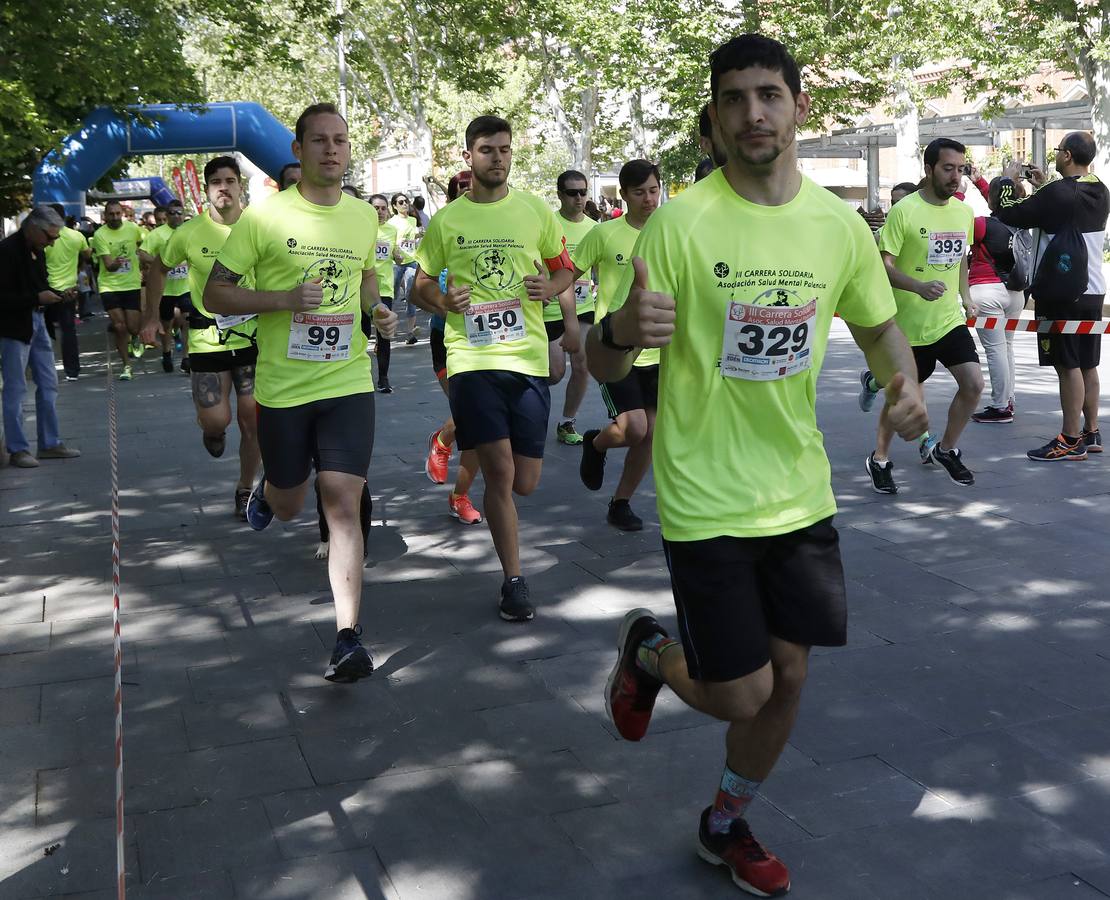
[[1061, 275]]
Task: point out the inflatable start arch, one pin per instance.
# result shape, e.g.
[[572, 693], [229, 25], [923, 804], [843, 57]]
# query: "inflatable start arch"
[[105, 136]]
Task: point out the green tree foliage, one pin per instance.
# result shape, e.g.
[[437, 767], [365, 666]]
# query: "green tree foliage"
[[61, 58]]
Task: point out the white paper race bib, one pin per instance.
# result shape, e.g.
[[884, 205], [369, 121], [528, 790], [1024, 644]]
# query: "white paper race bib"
[[946, 248], [319, 338], [765, 343], [226, 322], [495, 323], [124, 266], [178, 272], [582, 292], [381, 250], [408, 245]]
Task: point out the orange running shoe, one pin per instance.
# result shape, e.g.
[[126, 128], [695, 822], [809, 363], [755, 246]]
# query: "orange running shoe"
[[435, 466], [463, 510]]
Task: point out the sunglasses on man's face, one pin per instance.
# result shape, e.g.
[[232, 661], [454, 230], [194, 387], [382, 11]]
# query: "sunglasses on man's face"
[[575, 192]]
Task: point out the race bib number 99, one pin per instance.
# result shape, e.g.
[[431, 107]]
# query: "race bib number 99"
[[317, 338], [495, 323], [582, 292], [765, 343], [946, 248]]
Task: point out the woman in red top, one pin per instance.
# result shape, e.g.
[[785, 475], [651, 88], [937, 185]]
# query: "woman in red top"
[[991, 260]]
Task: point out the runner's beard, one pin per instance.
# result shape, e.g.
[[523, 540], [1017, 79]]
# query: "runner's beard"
[[488, 183]]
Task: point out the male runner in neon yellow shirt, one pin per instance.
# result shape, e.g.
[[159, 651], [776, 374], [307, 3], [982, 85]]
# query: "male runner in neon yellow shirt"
[[573, 190], [491, 242], [737, 279], [925, 243], [174, 302], [62, 259], [220, 358], [115, 245], [311, 252], [407, 233], [631, 402]]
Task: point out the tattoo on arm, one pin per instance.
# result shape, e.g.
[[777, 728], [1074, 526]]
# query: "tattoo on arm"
[[243, 379], [207, 390], [220, 272]]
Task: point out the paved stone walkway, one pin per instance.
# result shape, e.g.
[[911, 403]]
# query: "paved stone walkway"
[[959, 747]]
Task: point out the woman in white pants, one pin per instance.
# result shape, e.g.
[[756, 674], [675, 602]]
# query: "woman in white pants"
[[992, 259]]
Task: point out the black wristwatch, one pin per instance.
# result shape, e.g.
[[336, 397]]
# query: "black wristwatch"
[[607, 335]]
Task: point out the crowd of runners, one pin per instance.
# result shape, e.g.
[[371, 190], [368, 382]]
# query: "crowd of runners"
[[704, 320]]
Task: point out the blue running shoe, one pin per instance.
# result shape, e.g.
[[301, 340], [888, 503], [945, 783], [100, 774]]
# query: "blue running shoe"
[[349, 659], [869, 390], [259, 514], [925, 445]]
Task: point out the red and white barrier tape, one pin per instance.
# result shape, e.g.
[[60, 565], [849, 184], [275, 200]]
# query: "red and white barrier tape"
[[113, 451], [1041, 326]]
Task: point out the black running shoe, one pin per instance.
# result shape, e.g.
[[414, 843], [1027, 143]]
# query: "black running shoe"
[[242, 495], [882, 477], [592, 468], [384, 387], [514, 605], [214, 445], [185, 365], [1092, 440], [349, 660], [952, 463], [1059, 450], [167, 362], [994, 415], [621, 516]]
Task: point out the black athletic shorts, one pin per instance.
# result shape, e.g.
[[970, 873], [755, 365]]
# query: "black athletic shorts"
[[497, 405], [223, 360], [131, 300], [167, 305], [954, 348], [639, 389], [439, 352], [734, 594], [368, 319], [555, 329], [1070, 351], [335, 435]]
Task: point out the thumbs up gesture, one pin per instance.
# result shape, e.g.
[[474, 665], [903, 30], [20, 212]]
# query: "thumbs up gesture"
[[306, 296], [647, 317], [457, 298], [905, 408], [538, 285]]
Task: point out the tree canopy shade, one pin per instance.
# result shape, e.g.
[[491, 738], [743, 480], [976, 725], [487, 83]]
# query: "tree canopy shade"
[[62, 58]]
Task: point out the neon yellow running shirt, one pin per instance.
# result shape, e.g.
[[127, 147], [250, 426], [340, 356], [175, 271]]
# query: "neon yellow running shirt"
[[177, 279], [112, 242], [573, 233], [62, 257]]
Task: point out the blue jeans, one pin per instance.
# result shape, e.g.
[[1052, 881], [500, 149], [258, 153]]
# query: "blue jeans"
[[403, 278], [14, 357]]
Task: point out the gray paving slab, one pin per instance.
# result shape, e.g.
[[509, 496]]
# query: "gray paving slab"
[[958, 746]]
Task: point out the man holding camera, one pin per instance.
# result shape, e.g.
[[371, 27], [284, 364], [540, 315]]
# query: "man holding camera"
[[1070, 213]]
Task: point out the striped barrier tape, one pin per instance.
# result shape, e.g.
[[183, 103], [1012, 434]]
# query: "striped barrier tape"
[[1041, 326]]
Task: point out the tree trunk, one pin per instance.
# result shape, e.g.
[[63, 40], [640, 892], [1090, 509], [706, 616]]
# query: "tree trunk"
[[1096, 77], [907, 163], [583, 154], [639, 133]]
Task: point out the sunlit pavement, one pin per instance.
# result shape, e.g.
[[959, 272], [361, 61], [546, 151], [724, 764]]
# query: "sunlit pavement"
[[958, 747]]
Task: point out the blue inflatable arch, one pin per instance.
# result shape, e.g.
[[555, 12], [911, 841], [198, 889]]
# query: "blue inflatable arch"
[[105, 136]]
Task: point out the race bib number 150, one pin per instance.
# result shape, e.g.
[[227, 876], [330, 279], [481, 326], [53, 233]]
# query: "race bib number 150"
[[765, 343], [495, 323]]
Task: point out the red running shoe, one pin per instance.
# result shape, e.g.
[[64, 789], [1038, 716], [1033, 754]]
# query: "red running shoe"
[[753, 867], [463, 510], [630, 692], [435, 466]]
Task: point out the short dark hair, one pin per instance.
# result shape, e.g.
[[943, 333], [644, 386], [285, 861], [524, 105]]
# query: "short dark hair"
[[317, 109], [635, 172], [906, 187], [569, 175], [705, 168], [162, 208], [374, 197], [932, 151], [1081, 146], [352, 190], [174, 202], [284, 169], [705, 124], [747, 50], [113, 202], [221, 162], [486, 126], [58, 208], [418, 201]]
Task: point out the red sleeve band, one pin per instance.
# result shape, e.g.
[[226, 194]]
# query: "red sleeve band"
[[562, 261]]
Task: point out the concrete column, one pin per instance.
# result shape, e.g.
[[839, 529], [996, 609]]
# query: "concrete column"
[[872, 174], [1040, 144]]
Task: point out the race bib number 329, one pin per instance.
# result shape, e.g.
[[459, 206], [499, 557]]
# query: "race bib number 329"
[[495, 323], [319, 338], [765, 343]]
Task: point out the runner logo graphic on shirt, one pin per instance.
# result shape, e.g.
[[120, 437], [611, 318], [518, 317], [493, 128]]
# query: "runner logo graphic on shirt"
[[334, 277], [493, 269]]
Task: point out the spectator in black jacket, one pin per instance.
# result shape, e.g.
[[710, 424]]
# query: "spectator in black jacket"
[[1077, 199], [24, 339]]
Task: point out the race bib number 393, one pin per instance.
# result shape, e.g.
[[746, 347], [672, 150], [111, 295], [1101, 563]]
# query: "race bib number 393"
[[765, 343], [495, 323], [946, 248], [319, 338]]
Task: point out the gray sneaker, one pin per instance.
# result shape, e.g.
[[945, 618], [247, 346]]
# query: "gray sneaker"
[[61, 451], [866, 394], [23, 460]]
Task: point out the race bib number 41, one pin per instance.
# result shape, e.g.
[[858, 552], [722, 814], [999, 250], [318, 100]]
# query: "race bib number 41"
[[319, 338], [946, 248], [765, 343], [495, 323], [408, 245]]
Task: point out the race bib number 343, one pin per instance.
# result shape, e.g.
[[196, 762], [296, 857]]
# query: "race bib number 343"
[[319, 338], [495, 323], [765, 343]]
